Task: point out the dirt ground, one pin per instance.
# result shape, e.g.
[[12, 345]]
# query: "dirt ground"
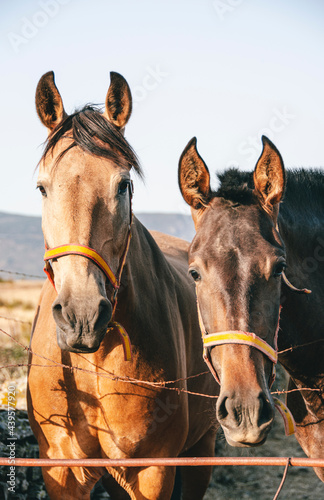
[[261, 483], [18, 300]]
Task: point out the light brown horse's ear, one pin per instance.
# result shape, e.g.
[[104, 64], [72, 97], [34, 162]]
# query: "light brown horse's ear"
[[118, 101], [269, 176], [193, 176], [49, 104]]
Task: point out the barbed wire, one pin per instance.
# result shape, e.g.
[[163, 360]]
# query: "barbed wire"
[[290, 349], [119, 378], [16, 320], [106, 374], [22, 274]]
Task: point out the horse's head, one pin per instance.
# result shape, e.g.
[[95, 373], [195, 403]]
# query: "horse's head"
[[236, 260], [84, 178]]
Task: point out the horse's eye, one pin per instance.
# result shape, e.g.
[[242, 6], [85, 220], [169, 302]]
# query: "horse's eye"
[[122, 188], [42, 189], [195, 275], [279, 268]]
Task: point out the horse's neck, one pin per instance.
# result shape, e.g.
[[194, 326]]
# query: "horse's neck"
[[301, 231], [145, 274], [301, 217], [145, 256], [302, 317]]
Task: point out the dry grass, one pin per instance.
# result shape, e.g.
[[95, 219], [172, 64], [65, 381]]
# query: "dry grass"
[[18, 301]]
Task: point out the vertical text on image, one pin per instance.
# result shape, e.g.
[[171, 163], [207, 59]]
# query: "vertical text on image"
[[11, 439]]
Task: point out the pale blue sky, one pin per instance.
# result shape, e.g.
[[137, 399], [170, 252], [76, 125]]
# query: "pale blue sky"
[[225, 71]]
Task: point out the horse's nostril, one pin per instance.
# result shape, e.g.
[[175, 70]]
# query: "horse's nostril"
[[57, 310], [60, 315], [104, 306], [265, 412], [104, 314], [222, 412]]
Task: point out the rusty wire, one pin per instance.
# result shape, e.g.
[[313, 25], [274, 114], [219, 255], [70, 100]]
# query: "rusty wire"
[[130, 380], [283, 479], [16, 320], [106, 374], [23, 275]]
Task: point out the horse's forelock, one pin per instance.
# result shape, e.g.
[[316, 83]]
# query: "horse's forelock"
[[90, 130], [236, 186]]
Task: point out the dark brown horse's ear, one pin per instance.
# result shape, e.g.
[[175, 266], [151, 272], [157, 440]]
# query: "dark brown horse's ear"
[[118, 101], [269, 176], [193, 176], [49, 104]]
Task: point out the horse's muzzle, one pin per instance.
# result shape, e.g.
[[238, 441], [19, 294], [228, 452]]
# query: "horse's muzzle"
[[85, 347], [81, 327], [246, 422]]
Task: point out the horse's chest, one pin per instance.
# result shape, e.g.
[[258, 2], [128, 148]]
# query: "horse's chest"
[[131, 416], [124, 417]]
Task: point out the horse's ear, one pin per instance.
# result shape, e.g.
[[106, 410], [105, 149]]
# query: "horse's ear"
[[269, 176], [193, 176], [118, 101], [49, 104]]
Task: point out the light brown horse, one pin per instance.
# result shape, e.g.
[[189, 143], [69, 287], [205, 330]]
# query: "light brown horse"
[[99, 407], [247, 233]]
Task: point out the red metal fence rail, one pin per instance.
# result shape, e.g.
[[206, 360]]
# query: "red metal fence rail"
[[147, 462]]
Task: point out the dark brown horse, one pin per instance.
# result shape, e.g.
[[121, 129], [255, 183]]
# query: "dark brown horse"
[[247, 233], [84, 398]]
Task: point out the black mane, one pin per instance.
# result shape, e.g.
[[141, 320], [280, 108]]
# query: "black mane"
[[304, 188], [94, 134]]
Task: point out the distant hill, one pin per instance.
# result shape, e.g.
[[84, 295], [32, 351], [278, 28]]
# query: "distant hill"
[[178, 225], [22, 244]]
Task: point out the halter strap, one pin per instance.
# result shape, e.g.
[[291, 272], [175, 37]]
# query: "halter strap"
[[127, 346], [289, 421], [114, 279], [250, 339], [237, 337], [85, 251], [240, 337]]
